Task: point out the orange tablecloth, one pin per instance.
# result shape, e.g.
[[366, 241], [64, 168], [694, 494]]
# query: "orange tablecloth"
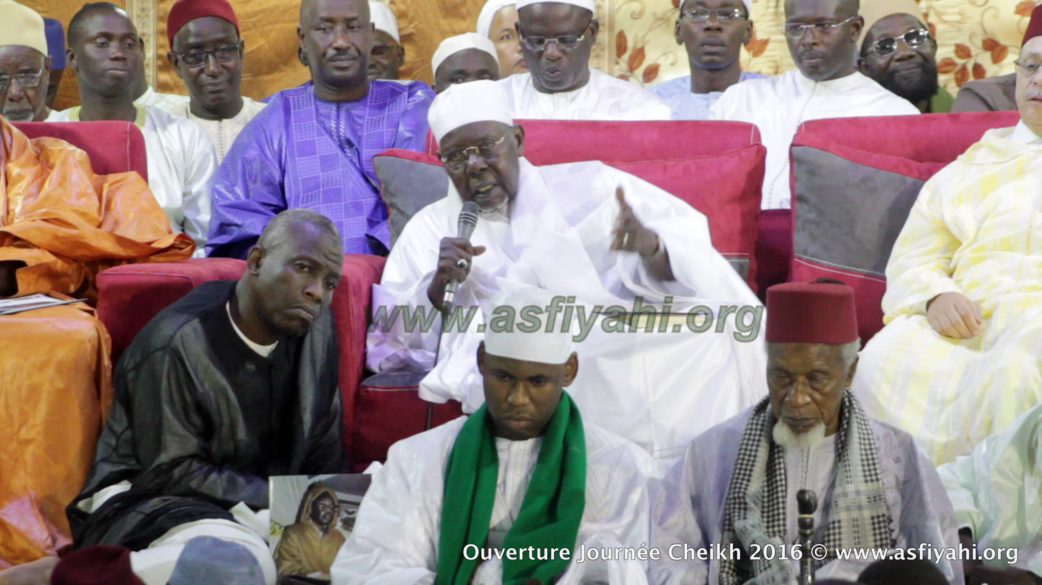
[[55, 390]]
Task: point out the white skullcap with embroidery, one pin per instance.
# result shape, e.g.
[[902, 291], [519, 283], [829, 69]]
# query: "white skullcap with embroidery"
[[488, 12], [524, 336], [383, 19], [467, 103], [587, 4], [453, 45]]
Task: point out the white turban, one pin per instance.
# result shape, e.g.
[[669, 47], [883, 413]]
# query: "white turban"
[[383, 19], [587, 4], [21, 25], [467, 103], [541, 346], [488, 12], [453, 45]]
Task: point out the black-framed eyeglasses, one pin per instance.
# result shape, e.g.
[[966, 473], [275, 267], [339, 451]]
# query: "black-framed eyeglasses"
[[26, 80], [223, 54], [703, 14], [912, 38], [563, 42], [1027, 68], [488, 150], [796, 31]]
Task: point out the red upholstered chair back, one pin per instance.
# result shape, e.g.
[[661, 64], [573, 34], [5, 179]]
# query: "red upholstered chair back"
[[113, 147], [129, 296], [854, 180]]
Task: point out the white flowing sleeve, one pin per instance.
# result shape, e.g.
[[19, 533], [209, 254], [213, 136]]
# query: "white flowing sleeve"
[[200, 169]]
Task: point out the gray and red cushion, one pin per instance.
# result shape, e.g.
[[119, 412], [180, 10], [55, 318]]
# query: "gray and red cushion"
[[854, 181]]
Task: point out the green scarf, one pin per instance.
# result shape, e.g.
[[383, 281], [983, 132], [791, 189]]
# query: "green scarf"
[[550, 513]]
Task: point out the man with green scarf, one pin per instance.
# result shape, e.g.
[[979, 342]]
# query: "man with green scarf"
[[516, 493]]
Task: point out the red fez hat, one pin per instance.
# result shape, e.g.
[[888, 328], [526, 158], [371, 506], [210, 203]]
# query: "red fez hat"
[[96, 565], [811, 312], [1034, 25], [185, 11]]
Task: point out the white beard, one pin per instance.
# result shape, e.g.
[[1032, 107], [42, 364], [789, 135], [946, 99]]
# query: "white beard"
[[790, 439]]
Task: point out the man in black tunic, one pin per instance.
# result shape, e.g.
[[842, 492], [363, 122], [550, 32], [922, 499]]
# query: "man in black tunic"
[[234, 383]]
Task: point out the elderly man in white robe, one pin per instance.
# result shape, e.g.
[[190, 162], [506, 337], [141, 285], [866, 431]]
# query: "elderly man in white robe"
[[737, 485], [525, 476], [556, 40], [995, 491], [822, 37], [600, 239]]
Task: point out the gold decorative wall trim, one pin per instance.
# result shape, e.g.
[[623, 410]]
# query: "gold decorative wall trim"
[[143, 14]]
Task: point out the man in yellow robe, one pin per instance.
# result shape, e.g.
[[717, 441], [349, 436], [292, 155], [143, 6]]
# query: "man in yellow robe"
[[59, 225], [309, 546], [959, 357]]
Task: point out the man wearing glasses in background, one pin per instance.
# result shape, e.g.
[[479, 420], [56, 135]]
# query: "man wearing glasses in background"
[[898, 52], [24, 60], [207, 56], [822, 37], [556, 39], [713, 32]]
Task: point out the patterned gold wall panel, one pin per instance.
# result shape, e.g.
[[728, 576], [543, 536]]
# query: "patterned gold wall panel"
[[977, 38]]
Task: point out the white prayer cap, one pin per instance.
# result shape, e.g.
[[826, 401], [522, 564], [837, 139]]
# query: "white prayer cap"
[[453, 45], [466, 103], [21, 25], [488, 12], [587, 4], [383, 19], [509, 339]]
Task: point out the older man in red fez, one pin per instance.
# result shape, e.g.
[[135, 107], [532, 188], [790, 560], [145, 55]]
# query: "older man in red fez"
[[736, 486], [206, 53]]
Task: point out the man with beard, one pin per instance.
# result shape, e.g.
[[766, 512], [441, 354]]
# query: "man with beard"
[[313, 145], [310, 544], [232, 384], [556, 39], [496, 22], [713, 32], [898, 51], [822, 37], [25, 64], [387, 55], [106, 53], [738, 482], [206, 53]]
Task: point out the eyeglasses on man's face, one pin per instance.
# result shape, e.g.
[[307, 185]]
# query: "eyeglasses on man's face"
[[912, 39], [197, 57], [1027, 67], [563, 42], [796, 31], [456, 160], [25, 80], [703, 14]]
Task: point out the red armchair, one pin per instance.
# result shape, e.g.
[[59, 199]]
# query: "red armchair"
[[881, 164], [113, 147]]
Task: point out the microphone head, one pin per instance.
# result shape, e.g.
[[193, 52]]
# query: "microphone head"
[[806, 502]]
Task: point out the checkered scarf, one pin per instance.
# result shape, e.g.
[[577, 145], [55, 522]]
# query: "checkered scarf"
[[754, 511]]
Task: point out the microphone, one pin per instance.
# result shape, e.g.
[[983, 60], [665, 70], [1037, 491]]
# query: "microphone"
[[468, 219], [806, 503]]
